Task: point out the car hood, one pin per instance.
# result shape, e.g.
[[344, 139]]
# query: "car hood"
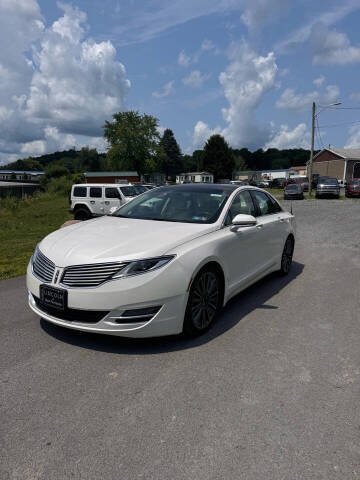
[[109, 239]]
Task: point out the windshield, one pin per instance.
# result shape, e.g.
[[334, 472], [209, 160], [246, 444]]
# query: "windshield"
[[329, 181], [129, 191], [293, 186], [171, 204], [355, 182], [140, 189]]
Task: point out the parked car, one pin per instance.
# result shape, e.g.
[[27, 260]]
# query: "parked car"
[[352, 188], [327, 187], [163, 263], [89, 200], [278, 183], [140, 189], [293, 191], [303, 181], [239, 183]]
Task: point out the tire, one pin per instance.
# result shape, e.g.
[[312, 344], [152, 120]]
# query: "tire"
[[82, 214], [286, 257], [204, 303]]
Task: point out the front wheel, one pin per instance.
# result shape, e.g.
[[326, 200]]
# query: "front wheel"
[[286, 258], [204, 302]]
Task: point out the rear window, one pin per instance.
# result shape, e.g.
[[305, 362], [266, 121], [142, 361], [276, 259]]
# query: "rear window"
[[95, 192], [79, 192]]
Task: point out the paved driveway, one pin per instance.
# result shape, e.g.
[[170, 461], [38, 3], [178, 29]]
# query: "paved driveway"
[[272, 392]]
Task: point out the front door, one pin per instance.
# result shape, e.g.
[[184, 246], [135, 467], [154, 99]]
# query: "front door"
[[240, 248], [112, 199]]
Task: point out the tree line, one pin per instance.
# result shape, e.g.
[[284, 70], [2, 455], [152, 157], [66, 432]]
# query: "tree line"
[[135, 144]]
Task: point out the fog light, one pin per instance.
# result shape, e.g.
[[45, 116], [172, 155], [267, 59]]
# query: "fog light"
[[137, 315]]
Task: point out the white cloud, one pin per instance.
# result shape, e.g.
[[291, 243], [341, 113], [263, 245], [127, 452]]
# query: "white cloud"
[[207, 45], [62, 89], [183, 59], [290, 100], [245, 82], [166, 90], [258, 12], [142, 21], [195, 79], [299, 137], [202, 132], [332, 47], [319, 81], [354, 137], [327, 17]]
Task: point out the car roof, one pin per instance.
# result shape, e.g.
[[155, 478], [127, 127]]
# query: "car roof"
[[215, 187], [102, 185]]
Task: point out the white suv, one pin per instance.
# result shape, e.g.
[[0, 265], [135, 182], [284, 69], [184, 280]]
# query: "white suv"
[[95, 199]]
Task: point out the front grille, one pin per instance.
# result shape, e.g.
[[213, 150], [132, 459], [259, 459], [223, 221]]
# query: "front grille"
[[90, 275], [72, 314], [42, 267]]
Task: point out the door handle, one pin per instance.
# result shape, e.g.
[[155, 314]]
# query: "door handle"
[[281, 219], [107, 203], [92, 202]]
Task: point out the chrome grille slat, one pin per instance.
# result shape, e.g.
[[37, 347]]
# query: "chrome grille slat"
[[89, 275], [42, 267]]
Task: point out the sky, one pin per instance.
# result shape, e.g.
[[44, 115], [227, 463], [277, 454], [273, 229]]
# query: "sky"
[[247, 69]]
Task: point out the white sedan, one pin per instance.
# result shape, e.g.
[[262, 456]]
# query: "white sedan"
[[162, 264]]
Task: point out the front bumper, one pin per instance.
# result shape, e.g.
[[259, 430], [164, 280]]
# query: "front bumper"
[[115, 297], [330, 191]]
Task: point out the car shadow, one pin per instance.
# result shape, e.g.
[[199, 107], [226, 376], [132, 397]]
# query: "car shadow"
[[254, 297]]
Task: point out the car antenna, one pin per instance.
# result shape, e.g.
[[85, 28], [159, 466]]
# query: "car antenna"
[[291, 207]]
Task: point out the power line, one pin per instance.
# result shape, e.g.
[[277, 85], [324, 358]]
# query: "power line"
[[321, 143], [339, 124]]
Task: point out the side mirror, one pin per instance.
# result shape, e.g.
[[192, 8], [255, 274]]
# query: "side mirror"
[[242, 220]]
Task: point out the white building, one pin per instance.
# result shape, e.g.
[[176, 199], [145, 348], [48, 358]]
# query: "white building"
[[195, 177]]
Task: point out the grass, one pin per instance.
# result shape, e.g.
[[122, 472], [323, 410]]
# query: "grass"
[[23, 223]]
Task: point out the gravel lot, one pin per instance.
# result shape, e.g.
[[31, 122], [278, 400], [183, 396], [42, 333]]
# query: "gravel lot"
[[271, 392]]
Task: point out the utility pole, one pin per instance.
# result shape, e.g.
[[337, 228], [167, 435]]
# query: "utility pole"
[[312, 146]]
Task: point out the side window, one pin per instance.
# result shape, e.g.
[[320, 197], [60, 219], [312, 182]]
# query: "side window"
[[266, 205], [242, 204], [275, 206], [112, 193], [95, 192], [79, 192]]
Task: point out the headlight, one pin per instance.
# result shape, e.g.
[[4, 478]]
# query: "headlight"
[[143, 266]]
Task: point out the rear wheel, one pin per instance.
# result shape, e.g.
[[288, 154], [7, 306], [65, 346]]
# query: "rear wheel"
[[286, 258], [82, 214], [204, 302]]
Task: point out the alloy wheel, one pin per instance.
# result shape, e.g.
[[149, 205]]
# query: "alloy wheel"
[[287, 255], [204, 300]]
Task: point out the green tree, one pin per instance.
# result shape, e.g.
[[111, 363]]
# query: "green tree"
[[89, 159], [172, 162], [55, 171], [198, 156], [133, 138], [218, 157], [240, 164]]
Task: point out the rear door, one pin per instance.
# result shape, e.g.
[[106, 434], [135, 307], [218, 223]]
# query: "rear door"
[[272, 226], [96, 200]]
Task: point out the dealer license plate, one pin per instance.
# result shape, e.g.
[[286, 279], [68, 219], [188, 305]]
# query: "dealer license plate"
[[53, 297]]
